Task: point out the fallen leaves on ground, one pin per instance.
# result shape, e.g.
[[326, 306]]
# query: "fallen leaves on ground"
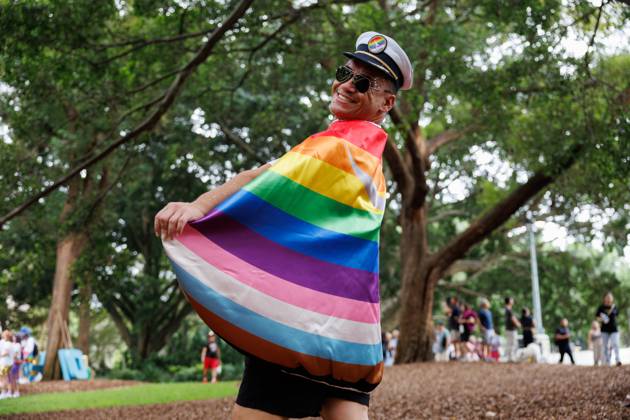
[[446, 391]]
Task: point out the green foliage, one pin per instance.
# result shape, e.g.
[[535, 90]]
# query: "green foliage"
[[75, 76]]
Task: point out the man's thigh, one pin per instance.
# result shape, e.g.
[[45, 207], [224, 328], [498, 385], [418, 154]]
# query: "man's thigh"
[[244, 413], [338, 409]]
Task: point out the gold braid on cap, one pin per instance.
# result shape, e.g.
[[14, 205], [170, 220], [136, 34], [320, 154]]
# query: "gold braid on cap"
[[380, 61]]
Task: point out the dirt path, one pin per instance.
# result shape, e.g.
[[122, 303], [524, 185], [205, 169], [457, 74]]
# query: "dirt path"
[[448, 391]]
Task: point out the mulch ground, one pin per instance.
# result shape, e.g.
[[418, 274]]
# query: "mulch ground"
[[447, 391]]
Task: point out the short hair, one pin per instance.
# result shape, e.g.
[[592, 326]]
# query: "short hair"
[[508, 299]]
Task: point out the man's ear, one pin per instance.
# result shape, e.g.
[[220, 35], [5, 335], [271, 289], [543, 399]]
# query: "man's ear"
[[388, 103]]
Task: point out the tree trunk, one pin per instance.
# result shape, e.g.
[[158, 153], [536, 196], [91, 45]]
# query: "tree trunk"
[[68, 250], [85, 294], [416, 295]]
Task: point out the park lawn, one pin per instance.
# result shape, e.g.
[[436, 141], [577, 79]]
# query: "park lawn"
[[113, 397]]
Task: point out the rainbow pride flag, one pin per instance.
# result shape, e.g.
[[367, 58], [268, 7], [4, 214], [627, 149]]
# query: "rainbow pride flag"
[[286, 269]]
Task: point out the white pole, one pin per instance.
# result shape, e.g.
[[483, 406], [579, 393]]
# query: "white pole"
[[535, 287]]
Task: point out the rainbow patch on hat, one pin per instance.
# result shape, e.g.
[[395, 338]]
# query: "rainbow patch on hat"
[[377, 44]]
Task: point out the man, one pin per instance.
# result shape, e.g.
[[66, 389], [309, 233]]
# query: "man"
[[607, 315], [512, 324], [487, 327], [362, 94], [454, 312]]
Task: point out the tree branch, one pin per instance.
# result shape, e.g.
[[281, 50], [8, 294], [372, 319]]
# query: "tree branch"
[[240, 143], [447, 137], [494, 218], [146, 43], [150, 121], [417, 154], [396, 165]]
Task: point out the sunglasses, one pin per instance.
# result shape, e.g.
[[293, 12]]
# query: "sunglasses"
[[361, 82]]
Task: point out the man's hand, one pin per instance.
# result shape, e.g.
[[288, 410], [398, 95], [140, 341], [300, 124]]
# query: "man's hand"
[[171, 220]]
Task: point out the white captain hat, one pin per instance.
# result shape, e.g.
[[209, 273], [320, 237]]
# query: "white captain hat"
[[383, 53]]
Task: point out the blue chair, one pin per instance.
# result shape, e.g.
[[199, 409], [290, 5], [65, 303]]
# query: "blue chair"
[[72, 364]]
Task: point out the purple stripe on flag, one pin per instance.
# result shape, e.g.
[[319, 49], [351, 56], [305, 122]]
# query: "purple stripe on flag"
[[288, 264]]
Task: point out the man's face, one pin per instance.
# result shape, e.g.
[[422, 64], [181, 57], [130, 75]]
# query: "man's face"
[[349, 104]]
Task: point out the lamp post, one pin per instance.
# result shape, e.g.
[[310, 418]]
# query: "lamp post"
[[535, 286]]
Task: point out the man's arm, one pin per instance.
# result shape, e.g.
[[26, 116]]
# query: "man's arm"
[[516, 321], [171, 220]]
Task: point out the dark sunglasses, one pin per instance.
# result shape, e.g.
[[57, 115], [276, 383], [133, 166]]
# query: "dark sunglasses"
[[361, 82]]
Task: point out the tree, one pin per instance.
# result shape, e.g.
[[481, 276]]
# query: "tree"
[[497, 109], [66, 110]]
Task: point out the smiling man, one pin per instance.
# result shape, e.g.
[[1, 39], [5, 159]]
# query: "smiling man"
[[282, 260]]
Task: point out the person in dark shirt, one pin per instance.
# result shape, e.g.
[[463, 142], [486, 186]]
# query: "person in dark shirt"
[[528, 324], [511, 332], [607, 315], [562, 339], [454, 312]]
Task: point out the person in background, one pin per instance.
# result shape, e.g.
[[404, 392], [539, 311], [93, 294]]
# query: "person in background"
[[454, 312], [211, 358], [511, 332], [7, 356], [30, 352], [595, 343], [528, 325], [393, 343], [389, 359], [486, 325], [385, 344], [469, 320], [441, 343], [607, 315], [563, 340], [14, 372]]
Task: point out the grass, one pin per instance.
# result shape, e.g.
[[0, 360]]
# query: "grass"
[[113, 397]]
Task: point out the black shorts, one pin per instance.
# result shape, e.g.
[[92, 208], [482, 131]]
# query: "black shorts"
[[267, 388], [465, 336]]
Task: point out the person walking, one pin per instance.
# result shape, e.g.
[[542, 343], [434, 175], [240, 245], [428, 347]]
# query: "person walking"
[[595, 343], [511, 330], [607, 314], [563, 340], [486, 325], [528, 325]]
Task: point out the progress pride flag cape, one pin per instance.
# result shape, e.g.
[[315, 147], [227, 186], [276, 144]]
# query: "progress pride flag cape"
[[286, 269]]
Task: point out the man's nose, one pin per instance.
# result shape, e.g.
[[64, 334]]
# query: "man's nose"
[[348, 85]]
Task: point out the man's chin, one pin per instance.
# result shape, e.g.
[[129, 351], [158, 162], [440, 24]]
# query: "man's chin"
[[341, 114]]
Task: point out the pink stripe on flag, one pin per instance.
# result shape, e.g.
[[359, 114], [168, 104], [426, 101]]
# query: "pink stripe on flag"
[[276, 287]]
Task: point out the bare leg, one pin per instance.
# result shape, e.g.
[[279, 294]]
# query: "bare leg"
[[205, 375], [214, 375], [338, 409], [244, 413]]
